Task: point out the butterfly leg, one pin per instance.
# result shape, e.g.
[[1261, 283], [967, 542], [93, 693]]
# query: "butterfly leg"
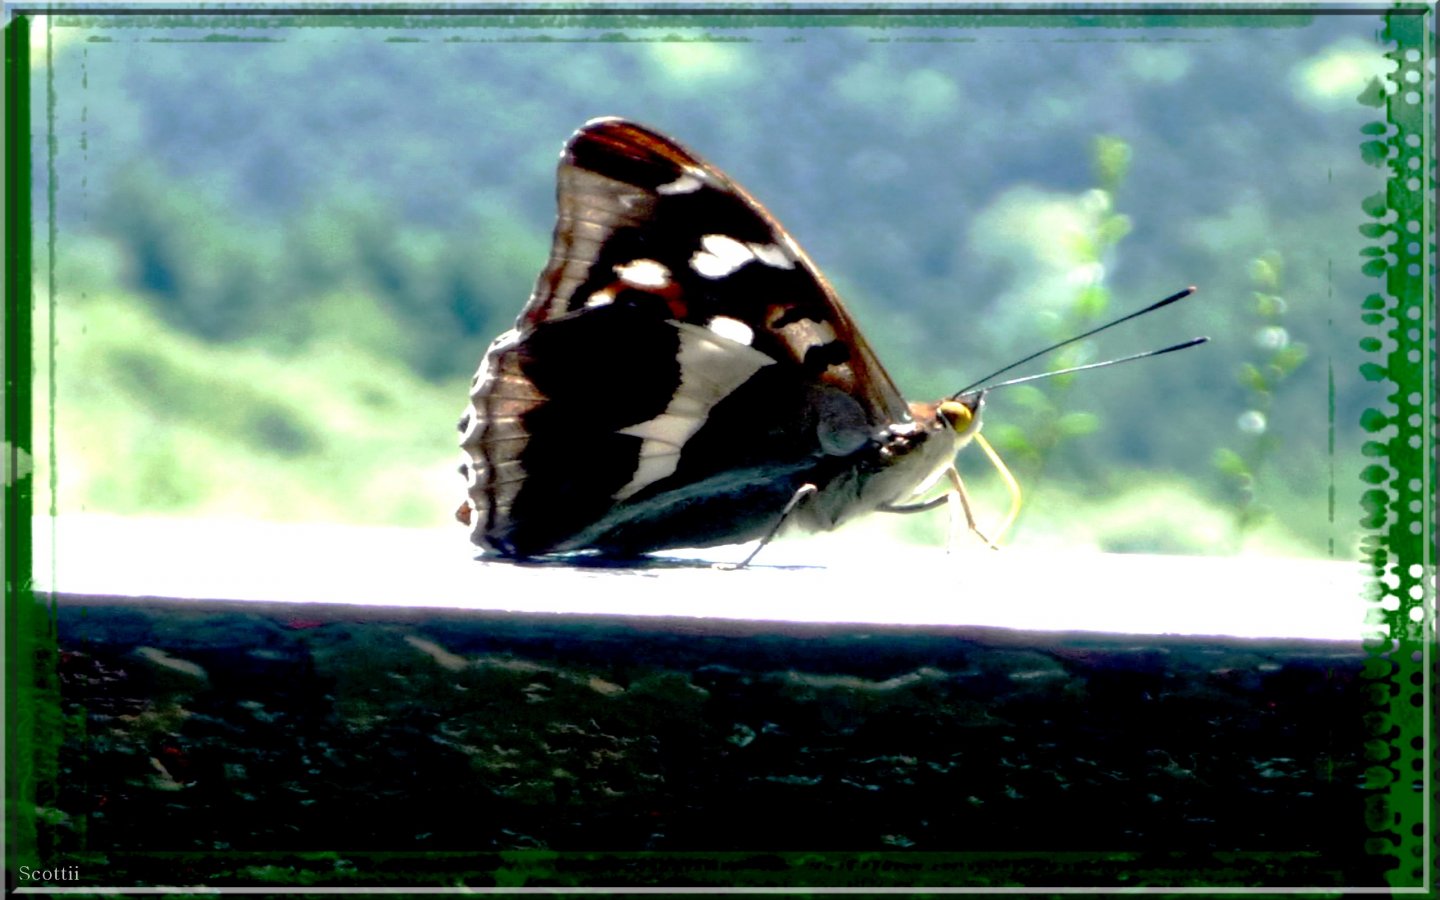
[[959, 497], [1011, 484], [801, 493], [957, 500], [957, 509]]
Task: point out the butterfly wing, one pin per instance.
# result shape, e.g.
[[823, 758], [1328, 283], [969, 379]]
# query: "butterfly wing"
[[679, 370]]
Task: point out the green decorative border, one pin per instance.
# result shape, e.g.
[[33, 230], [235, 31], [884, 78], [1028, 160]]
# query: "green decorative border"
[[1398, 508], [31, 744]]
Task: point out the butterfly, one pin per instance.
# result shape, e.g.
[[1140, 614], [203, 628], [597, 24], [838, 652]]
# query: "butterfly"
[[684, 376]]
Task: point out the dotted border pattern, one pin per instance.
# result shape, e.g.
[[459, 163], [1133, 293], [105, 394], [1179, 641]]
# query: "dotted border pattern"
[[1399, 503]]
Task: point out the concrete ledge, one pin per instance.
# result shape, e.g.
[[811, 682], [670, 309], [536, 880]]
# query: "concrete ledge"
[[832, 579], [404, 743]]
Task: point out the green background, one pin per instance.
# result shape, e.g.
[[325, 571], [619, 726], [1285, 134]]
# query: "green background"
[[270, 253]]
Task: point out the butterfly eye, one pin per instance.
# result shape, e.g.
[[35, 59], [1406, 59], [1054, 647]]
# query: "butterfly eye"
[[957, 414]]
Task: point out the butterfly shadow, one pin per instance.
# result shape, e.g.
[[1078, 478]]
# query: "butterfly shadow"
[[641, 564]]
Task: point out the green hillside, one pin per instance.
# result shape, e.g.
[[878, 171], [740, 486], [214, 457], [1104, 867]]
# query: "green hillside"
[[278, 248]]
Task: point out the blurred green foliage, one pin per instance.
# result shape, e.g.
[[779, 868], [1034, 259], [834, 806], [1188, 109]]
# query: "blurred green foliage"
[[278, 257], [1049, 411], [1276, 359], [152, 421]]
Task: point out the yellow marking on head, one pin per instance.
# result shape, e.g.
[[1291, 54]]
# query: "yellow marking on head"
[[957, 414]]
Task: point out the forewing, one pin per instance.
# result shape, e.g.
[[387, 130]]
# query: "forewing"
[[677, 336]]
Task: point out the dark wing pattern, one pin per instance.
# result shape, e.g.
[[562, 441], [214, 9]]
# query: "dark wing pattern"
[[679, 370]]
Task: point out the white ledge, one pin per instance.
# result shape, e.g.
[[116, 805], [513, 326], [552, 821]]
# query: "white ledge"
[[1244, 597]]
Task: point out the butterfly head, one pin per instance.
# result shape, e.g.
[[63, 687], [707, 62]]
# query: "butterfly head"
[[916, 454], [962, 414]]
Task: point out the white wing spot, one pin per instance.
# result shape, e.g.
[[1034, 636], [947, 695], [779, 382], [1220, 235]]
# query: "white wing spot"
[[807, 333], [773, 255], [719, 256], [711, 368], [643, 273], [668, 428], [504, 341], [653, 466], [685, 184], [600, 298], [734, 329]]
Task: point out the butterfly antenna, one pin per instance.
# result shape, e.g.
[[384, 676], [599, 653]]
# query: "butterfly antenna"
[[1181, 295], [1099, 365]]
